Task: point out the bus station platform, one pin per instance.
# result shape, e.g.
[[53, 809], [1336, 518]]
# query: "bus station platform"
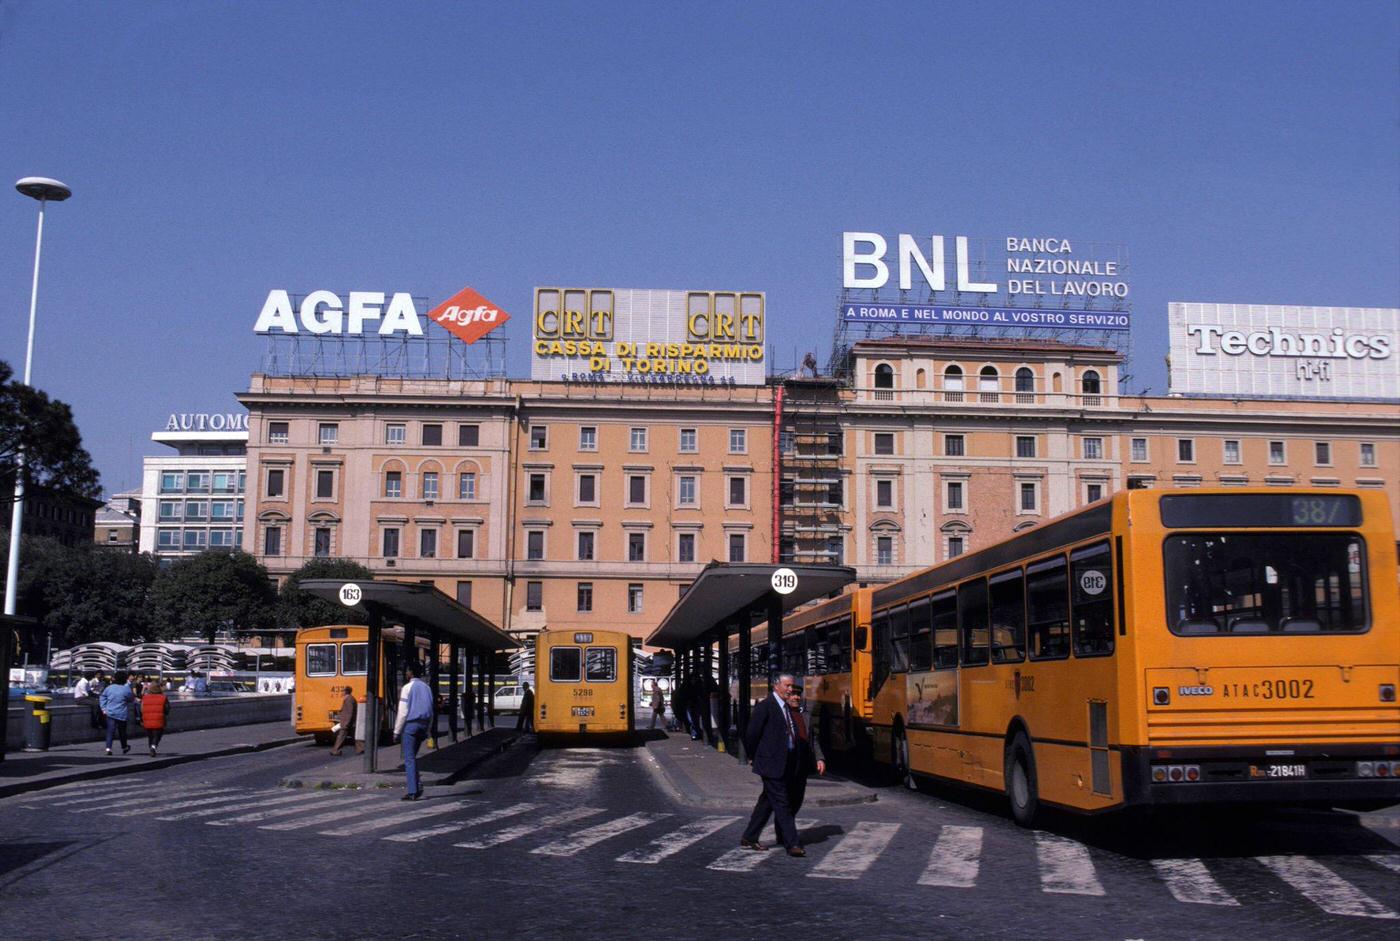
[[439, 767]]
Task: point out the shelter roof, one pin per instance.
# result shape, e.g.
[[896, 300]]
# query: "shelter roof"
[[423, 606], [724, 590]]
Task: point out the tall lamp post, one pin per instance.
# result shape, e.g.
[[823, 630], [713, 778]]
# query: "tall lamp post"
[[46, 191]]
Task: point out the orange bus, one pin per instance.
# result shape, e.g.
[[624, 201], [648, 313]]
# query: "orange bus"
[[584, 685], [331, 659]]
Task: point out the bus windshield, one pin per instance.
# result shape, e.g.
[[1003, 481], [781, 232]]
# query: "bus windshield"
[[1265, 583]]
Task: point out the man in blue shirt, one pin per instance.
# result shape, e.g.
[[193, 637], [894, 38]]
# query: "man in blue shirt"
[[117, 702], [411, 726]]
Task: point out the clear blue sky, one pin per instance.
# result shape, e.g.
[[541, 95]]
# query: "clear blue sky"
[[1243, 151]]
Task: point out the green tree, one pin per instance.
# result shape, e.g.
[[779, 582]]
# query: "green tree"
[[213, 591], [296, 608], [53, 449], [84, 593]]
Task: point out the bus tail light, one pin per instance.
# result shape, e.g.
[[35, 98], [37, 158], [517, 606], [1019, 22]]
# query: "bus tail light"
[[622, 711], [1161, 696], [1176, 773], [1387, 692], [1159, 774], [1193, 772], [1382, 769], [544, 710]]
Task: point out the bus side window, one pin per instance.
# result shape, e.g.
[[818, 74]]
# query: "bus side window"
[[879, 651], [602, 664], [841, 648], [945, 631], [920, 637], [320, 659], [899, 637], [795, 653], [972, 621], [354, 659], [1091, 579], [1047, 608], [565, 664], [1008, 598]]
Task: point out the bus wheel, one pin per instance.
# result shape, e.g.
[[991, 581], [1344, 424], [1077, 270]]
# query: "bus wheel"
[[1020, 781], [323, 738], [900, 747]]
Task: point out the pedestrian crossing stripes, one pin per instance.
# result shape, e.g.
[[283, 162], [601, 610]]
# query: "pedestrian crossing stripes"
[[957, 857]]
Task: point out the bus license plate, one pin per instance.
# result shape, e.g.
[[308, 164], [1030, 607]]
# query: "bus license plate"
[[1280, 771], [582, 711]]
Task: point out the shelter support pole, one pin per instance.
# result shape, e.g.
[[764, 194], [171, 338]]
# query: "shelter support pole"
[[434, 675], [454, 657], [745, 681], [489, 658], [775, 637], [724, 697], [373, 683]]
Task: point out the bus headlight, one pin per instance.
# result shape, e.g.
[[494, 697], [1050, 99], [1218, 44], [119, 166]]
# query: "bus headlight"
[[1387, 692], [1161, 696]]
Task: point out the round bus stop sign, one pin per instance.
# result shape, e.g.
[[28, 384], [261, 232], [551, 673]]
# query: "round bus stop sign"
[[350, 594], [784, 581]]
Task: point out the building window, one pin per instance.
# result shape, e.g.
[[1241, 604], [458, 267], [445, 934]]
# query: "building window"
[[278, 432], [884, 378], [225, 482], [168, 539], [1368, 454], [1322, 451], [953, 384], [686, 496], [539, 437], [738, 441], [1093, 493], [466, 543], [327, 434], [1092, 387], [1025, 385], [325, 484], [1028, 497], [322, 542], [466, 486], [391, 542], [171, 482], [464, 594], [1186, 450], [884, 550], [636, 490], [988, 385], [637, 439], [1139, 449], [534, 545], [197, 482], [169, 511], [955, 495], [835, 445], [954, 446], [427, 544], [534, 596], [634, 598], [834, 495], [1025, 446], [884, 494], [587, 488], [884, 442], [787, 491], [685, 547], [1093, 449], [196, 539], [393, 484], [468, 436], [736, 547], [586, 539], [1231, 451], [787, 442], [276, 483], [738, 491], [636, 547], [956, 546], [1277, 455], [228, 539], [395, 434], [536, 491], [690, 440], [272, 540], [588, 438], [835, 550], [432, 435], [585, 596], [430, 485]]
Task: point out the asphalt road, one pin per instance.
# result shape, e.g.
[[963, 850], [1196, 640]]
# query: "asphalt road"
[[583, 843]]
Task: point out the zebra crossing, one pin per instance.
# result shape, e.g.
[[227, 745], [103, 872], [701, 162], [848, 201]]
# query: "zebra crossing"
[[956, 858]]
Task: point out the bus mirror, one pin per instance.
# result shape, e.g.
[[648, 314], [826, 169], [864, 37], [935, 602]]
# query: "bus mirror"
[[862, 635]]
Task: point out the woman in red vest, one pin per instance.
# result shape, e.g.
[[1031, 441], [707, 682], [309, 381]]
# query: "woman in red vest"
[[154, 708]]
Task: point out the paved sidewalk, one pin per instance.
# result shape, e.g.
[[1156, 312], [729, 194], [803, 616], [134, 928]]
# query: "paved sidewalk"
[[698, 775], [436, 768], [22, 772]]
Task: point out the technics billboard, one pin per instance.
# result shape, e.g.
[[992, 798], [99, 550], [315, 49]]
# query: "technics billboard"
[[628, 335], [1018, 281], [1277, 351]]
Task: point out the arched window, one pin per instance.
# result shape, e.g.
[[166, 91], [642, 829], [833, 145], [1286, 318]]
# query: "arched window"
[[953, 384], [1025, 385], [988, 384], [1091, 387], [884, 381]]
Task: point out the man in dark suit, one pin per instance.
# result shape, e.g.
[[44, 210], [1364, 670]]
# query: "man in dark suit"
[[771, 742], [809, 752]]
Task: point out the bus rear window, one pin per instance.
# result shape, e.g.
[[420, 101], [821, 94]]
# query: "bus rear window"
[[564, 664], [320, 659], [602, 664], [1265, 583], [354, 659]]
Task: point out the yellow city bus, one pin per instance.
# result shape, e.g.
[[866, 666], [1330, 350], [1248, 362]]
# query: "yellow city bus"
[[584, 685], [331, 659], [1157, 648]]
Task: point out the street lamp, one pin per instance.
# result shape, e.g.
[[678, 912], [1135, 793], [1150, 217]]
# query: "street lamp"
[[44, 190]]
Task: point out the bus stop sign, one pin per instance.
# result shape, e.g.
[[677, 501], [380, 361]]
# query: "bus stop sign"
[[784, 581], [350, 594]]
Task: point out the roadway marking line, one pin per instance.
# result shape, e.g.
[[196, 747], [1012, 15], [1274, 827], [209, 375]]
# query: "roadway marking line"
[[250, 805], [407, 816], [1324, 888], [285, 811], [58, 796], [525, 829], [342, 812], [1390, 861], [583, 839], [956, 858], [415, 836], [181, 805], [740, 859], [1065, 866], [166, 797], [117, 794], [856, 852], [672, 843], [1189, 880]]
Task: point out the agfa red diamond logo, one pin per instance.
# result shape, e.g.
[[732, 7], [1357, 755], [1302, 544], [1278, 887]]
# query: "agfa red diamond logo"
[[468, 315]]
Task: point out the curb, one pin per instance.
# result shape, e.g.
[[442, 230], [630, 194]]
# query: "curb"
[[41, 784], [446, 780]]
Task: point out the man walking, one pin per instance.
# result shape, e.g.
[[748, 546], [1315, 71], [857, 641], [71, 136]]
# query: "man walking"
[[411, 726], [771, 739], [345, 724], [117, 704], [658, 702], [809, 756], [525, 721]]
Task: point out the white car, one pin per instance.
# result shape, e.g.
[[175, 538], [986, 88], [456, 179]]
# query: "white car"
[[508, 699]]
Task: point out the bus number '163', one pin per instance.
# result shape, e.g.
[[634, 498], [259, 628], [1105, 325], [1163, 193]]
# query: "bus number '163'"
[[1270, 689]]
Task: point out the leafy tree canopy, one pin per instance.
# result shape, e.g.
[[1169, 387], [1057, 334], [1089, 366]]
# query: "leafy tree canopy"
[[298, 609], [213, 591], [44, 428], [85, 593]]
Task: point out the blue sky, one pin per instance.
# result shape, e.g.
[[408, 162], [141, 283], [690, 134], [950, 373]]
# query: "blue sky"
[[1245, 152]]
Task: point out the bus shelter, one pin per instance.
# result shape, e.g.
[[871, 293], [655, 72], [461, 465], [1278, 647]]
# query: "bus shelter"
[[730, 598], [420, 609]]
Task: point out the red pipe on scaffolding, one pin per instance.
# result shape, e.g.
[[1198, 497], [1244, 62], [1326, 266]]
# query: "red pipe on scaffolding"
[[777, 473]]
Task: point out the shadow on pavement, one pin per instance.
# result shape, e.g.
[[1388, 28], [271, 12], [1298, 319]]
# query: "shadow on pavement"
[[31, 766]]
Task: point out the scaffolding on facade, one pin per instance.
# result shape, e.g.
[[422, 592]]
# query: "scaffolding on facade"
[[813, 486]]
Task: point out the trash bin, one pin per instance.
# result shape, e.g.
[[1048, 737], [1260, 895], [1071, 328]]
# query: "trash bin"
[[37, 727]]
